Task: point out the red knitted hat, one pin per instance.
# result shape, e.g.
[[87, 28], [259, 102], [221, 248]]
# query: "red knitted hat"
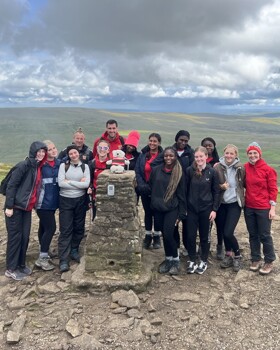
[[254, 146], [133, 138]]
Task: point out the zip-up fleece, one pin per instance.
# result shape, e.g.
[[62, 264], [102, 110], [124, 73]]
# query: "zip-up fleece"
[[261, 185], [203, 192]]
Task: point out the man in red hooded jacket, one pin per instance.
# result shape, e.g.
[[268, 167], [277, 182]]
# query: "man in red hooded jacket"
[[112, 136]]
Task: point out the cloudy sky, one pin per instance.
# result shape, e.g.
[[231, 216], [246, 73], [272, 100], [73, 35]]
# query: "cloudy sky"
[[179, 55]]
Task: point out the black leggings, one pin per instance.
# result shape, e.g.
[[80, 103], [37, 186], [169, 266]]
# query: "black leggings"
[[227, 218], [47, 227], [165, 222]]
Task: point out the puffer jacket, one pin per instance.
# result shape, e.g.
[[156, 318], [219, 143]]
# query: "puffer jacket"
[[23, 180]]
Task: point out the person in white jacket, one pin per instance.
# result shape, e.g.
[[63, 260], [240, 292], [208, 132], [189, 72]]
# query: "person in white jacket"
[[73, 180]]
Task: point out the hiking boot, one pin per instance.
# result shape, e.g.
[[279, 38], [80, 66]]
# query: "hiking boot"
[[74, 255], [44, 263], [15, 275], [255, 266], [25, 270], [64, 266], [266, 269], [156, 242], [202, 267], [236, 263], [191, 267], [220, 252], [175, 268], [165, 266], [147, 241], [227, 262]]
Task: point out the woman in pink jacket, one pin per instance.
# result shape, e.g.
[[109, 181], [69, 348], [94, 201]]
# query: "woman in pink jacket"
[[260, 202]]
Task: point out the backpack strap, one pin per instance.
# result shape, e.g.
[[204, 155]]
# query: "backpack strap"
[[67, 166]]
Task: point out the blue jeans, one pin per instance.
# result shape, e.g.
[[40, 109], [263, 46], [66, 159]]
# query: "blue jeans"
[[259, 225]]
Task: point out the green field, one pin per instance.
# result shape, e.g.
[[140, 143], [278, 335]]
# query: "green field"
[[20, 126]]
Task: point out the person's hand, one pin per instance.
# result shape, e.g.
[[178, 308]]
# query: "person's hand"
[[272, 213], [224, 186], [89, 191], [9, 212], [83, 179], [212, 216]]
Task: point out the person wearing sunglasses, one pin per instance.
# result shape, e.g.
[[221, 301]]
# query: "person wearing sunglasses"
[[96, 167]]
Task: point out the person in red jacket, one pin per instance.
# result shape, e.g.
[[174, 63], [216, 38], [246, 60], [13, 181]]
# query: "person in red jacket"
[[260, 201], [111, 135]]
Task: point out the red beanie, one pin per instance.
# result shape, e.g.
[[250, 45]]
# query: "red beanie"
[[254, 146], [133, 138]]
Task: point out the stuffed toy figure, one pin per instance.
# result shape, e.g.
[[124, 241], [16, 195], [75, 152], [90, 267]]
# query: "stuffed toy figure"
[[118, 162]]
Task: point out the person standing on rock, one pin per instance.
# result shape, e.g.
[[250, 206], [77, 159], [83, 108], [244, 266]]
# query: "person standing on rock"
[[260, 201], [232, 181], [46, 206], [112, 136], [73, 180], [143, 172], [203, 195], [169, 204], [21, 196], [84, 151]]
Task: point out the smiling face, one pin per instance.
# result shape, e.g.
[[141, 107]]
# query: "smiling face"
[[112, 130], [74, 155], [200, 159], [52, 151], [130, 149], [103, 149], [169, 157], [40, 155], [209, 146], [230, 155], [182, 142], [79, 139], [153, 144], [253, 156]]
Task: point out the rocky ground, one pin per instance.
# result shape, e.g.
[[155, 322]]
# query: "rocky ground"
[[218, 310]]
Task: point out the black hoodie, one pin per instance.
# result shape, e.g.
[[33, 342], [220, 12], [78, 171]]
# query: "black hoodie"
[[23, 179]]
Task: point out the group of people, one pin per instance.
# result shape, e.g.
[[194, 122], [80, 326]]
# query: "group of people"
[[176, 185]]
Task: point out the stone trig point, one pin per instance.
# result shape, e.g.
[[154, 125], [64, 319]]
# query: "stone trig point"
[[113, 249]]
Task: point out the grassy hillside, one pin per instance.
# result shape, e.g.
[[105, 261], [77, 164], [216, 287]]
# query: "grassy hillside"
[[20, 126]]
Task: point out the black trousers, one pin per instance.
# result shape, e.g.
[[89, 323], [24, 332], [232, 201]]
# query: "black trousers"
[[18, 228], [165, 222], [47, 227], [259, 226], [184, 234], [198, 221], [72, 214], [149, 214], [227, 219]]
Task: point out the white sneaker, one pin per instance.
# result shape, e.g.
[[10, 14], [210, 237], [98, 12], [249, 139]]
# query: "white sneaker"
[[202, 267], [191, 267]]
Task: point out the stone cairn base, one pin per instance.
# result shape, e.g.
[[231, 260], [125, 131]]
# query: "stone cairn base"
[[113, 250]]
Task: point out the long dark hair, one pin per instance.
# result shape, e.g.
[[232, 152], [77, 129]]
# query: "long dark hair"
[[175, 177], [158, 137]]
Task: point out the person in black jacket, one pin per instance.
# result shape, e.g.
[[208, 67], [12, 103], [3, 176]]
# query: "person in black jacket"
[[143, 171], [85, 152], [169, 205], [203, 196], [21, 196], [46, 206], [130, 149]]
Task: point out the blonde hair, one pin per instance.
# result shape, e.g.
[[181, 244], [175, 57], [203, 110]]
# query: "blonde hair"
[[203, 150], [48, 142], [79, 131], [233, 147]]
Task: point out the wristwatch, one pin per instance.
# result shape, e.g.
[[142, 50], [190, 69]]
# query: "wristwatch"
[[272, 203]]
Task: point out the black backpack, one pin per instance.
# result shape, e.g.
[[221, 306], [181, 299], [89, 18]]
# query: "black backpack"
[[5, 181]]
